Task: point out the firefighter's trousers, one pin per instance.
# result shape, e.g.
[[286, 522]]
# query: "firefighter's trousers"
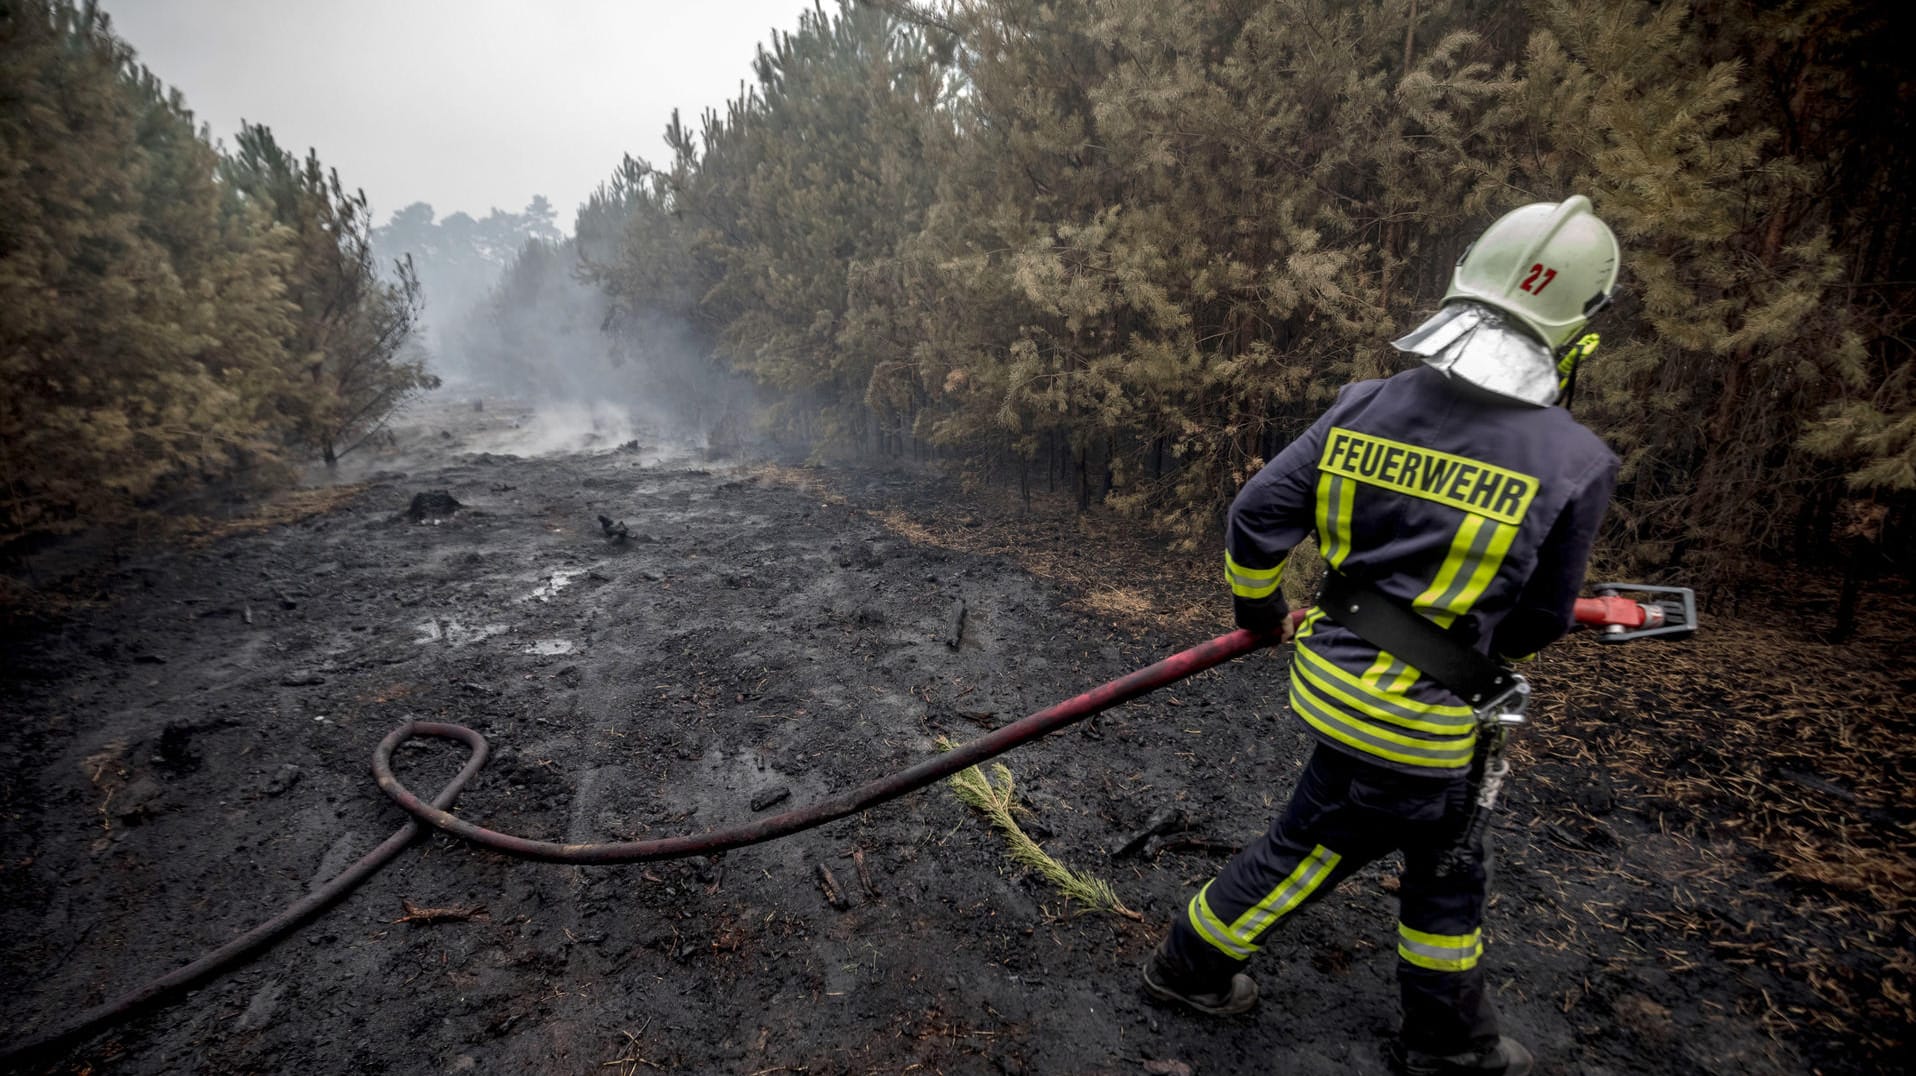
[[1344, 814]]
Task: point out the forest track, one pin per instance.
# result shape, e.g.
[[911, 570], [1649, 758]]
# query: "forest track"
[[185, 758]]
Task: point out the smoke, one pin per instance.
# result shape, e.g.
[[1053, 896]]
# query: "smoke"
[[459, 260], [547, 337], [452, 423], [519, 325], [572, 426]]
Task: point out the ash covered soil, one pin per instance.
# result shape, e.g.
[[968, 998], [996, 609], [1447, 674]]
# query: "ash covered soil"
[[190, 753]]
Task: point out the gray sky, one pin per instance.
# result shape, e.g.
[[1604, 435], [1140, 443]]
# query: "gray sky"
[[467, 105]]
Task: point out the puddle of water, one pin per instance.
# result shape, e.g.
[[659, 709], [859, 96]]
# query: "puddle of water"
[[550, 647], [453, 633], [560, 579]]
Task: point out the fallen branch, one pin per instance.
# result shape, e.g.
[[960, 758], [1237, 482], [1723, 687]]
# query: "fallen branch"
[[1177, 843], [828, 885], [864, 876], [417, 914]]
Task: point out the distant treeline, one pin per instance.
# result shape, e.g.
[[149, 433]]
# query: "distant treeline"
[[1134, 247], [1123, 247], [459, 260], [169, 316]]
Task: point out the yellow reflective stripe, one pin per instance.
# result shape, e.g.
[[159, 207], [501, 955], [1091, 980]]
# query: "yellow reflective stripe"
[[1440, 952], [1385, 665], [1486, 570], [1453, 566], [1335, 494], [1294, 890], [1330, 694], [1239, 940], [1477, 550], [1260, 574], [1472, 940], [1212, 929], [1252, 582], [1388, 675], [1376, 740], [1324, 545], [1445, 752], [1365, 738], [1407, 707]]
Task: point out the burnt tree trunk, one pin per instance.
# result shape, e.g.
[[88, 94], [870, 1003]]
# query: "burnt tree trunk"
[[1847, 601]]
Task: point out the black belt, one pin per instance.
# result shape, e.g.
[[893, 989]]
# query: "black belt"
[[1390, 625]]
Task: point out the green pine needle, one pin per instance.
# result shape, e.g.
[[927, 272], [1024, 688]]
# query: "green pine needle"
[[998, 802]]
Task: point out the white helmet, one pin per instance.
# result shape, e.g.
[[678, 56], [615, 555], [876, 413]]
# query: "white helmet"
[[1549, 265], [1520, 295]]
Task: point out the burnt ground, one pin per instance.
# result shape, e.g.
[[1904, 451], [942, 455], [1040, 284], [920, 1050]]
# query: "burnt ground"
[[1703, 865]]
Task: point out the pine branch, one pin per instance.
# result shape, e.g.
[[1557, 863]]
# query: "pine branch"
[[998, 803]]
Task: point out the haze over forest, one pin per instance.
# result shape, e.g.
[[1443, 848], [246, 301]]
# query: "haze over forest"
[[1121, 248]]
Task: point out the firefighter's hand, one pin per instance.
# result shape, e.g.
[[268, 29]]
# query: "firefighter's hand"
[[1269, 620], [1275, 634]]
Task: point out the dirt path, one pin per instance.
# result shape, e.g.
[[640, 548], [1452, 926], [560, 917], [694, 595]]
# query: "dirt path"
[[181, 762]]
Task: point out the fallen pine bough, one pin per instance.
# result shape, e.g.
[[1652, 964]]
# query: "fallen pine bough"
[[998, 802]]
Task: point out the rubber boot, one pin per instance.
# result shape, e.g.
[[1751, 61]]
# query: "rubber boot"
[[1505, 1057], [1165, 981]]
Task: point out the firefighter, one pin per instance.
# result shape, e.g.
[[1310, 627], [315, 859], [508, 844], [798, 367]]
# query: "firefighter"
[[1460, 490]]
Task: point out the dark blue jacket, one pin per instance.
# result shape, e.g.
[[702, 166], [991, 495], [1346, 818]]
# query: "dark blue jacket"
[[1466, 506]]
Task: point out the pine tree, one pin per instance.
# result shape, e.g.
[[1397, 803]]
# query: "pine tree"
[[143, 312], [1156, 238], [769, 210], [350, 364]]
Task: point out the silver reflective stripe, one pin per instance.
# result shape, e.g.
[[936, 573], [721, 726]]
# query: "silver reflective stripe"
[[1438, 952], [1258, 587]]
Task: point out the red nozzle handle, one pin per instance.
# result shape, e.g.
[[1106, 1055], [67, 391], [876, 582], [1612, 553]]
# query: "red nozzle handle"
[[1604, 612]]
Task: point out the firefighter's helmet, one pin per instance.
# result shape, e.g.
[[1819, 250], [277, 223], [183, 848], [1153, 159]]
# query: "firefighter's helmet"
[[1520, 296], [1549, 265]]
